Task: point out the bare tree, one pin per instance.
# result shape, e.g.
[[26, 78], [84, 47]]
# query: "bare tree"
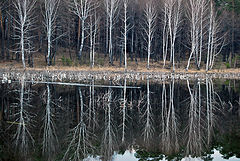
[[165, 35], [172, 20], [215, 41], [94, 27], [24, 25], [126, 29], [82, 8], [150, 15], [197, 15], [112, 11], [50, 16]]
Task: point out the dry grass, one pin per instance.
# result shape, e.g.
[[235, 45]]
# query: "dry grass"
[[102, 64]]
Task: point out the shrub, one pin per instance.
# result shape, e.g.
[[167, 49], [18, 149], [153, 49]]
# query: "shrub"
[[63, 60], [228, 65], [66, 61]]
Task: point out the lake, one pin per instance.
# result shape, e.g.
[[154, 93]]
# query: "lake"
[[120, 120]]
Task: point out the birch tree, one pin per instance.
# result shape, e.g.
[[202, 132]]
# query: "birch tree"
[[24, 23], [82, 8], [197, 15], [172, 20], [94, 27], [112, 12], [126, 29], [150, 15], [215, 40], [50, 16]]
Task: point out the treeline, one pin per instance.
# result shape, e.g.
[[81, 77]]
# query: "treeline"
[[194, 32]]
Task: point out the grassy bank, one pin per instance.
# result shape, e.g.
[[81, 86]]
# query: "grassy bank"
[[64, 63]]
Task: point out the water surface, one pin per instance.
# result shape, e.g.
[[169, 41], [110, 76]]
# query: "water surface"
[[120, 120]]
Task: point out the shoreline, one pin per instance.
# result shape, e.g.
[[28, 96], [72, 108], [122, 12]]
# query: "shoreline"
[[78, 74]]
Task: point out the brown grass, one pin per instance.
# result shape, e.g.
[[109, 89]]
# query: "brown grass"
[[102, 64]]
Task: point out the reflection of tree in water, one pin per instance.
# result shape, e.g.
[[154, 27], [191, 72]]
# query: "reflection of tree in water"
[[147, 117], [50, 139], [201, 117], [169, 135], [91, 107], [80, 136], [194, 133], [23, 118], [109, 137], [123, 110], [186, 124]]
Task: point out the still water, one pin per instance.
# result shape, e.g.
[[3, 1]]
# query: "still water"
[[120, 121]]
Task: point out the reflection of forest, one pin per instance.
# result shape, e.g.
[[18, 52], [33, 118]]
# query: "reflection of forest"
[[174, 118]]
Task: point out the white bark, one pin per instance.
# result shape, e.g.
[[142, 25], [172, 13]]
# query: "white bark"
[[24, 25], [215, 41], [111, 9], [94, 26], [125, 4], [150, 15], [197, 11], [50, 16], [172, 20], [82, 8]]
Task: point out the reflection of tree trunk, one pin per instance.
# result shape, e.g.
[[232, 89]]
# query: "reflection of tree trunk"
[[23, 136], [147, 115], [49, 133], [169, 137], [210, 101], [108, 136], [77, 98], [239, 107], [80, 144], [91, 107], [1, 115], [194, 127], [93, 104], [124, 110]]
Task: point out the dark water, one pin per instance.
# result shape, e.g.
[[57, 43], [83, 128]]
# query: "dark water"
[[120, 121]]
